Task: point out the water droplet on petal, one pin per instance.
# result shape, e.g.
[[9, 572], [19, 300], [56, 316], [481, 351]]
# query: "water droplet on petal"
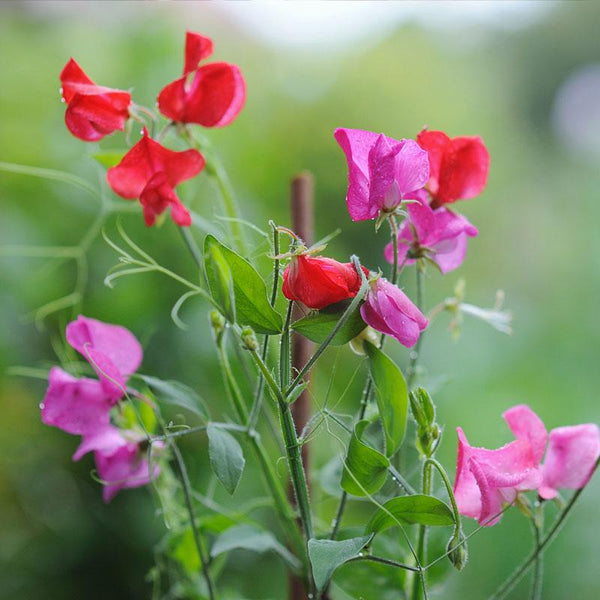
[[41, 405]]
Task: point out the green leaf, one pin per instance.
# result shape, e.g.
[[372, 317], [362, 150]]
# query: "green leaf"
[[249, 537], [418, 508], [177, 394], [252, 305], [109, 158], [365, 469], [220, 278], [226, 457], [327, 555], [391, 393], [317, 326], [186, 553]]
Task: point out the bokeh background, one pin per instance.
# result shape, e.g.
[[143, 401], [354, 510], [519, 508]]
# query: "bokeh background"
[[525, 76]]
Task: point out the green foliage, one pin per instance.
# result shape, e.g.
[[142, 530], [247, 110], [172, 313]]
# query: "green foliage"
[[109, 158], [428, 431], [365, 469], [250, 537], [392, 397], [318, 325], [409, 510], [327, 555], [226, 457], [252, 305], [177, 394]]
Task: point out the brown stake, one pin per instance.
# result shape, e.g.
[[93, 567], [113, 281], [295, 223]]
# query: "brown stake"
[[302, 200]]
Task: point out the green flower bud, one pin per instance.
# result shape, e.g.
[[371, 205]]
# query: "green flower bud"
[[249, 339], [458, 551], [217, 323]]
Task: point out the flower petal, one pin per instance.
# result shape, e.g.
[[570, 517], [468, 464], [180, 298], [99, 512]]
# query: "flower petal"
[[197, 48]]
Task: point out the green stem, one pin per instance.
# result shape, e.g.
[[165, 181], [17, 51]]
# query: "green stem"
[[508, 585], [192, 246], [419, 583], [185, 482], [284, 350], [416, 353], [448, 484], [384, 561], [537, 581], [272, 482]]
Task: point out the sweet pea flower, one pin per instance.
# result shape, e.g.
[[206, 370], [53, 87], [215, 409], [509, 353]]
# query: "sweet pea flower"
[[150, 172], [486, 479], [458, 166], [440, 233], [93, 111], [112, 350], [317, 281], [389, 310], [121, 459], [211, 95], [382, 171]]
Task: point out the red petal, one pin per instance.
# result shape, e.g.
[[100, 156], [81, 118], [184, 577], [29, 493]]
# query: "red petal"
[[147, 158], [171, 100], [90, 118], [197, 48], [464, 172], [437, 143], [71, 76], [216, 96]]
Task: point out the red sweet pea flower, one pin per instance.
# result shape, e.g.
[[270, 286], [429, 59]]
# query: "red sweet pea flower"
[[458, 166], [317, 281], [93, 111], [215, 94], [150, 172]]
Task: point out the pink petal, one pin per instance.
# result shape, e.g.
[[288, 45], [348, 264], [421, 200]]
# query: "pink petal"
[[78, 406], [570, 459], [526, 425], [412, 166], [116, 343], [106, 439]]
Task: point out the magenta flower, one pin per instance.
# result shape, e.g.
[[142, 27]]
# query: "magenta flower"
[[388, 310], [440, 234], [121, 459], [112, 350], [570, 458], [381, 171], [78, 406], [486, 479]]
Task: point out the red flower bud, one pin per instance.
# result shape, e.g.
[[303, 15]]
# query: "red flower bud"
[[458, 167], [93, 111], [317, 281]]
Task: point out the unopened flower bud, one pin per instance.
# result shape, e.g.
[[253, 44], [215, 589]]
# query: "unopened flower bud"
[[458, 551], [217, 323], [249, 339]]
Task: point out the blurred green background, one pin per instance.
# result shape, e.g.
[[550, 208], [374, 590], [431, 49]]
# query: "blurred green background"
[[522, 78]]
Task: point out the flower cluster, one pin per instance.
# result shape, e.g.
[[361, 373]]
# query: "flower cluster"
[[211, 95], [83, 406], [486, 479]]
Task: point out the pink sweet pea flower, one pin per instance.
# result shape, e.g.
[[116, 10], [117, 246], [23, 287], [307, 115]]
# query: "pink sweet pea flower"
[[381, 171], [121, 459], [570, 459], [486, 479], [211, 95], [112, 350], [388, 310], [93, 111], [150, 172], [78, 406], [441, 234]]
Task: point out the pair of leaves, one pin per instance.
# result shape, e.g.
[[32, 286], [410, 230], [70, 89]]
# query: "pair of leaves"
[[226, 457], [238, 289]]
